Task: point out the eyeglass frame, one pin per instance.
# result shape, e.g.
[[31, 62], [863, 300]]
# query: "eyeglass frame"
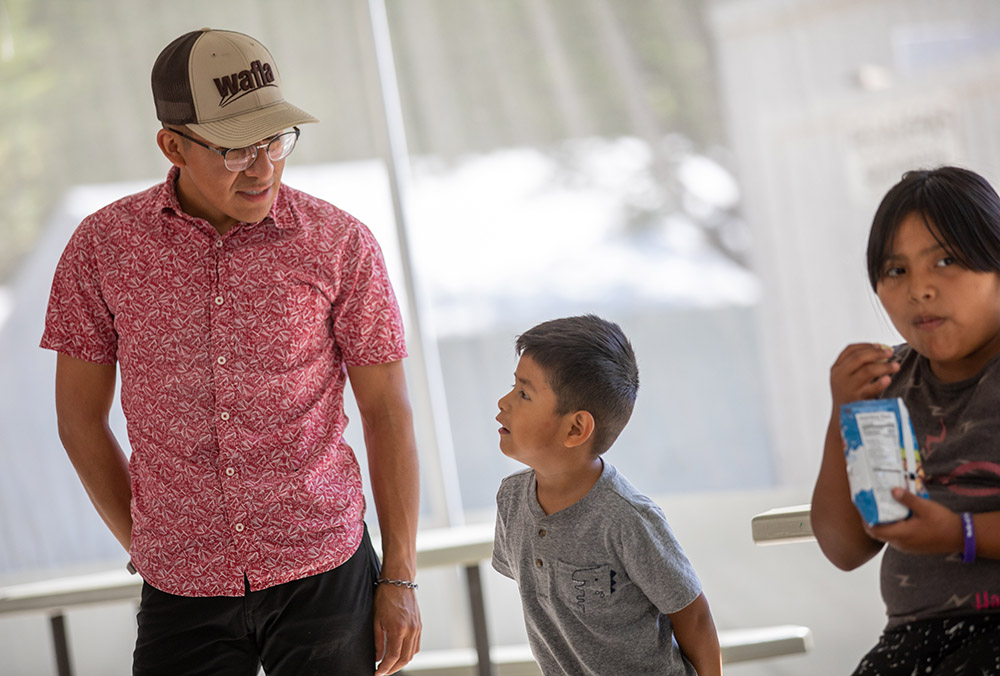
[[222, 151]]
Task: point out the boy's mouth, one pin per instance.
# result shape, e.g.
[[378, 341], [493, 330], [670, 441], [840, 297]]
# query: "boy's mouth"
[[503, 429]]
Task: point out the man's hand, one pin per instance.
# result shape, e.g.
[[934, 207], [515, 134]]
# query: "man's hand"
[[932, 528], [397, 627]]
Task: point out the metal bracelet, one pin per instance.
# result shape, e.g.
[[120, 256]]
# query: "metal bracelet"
[[398, 583]]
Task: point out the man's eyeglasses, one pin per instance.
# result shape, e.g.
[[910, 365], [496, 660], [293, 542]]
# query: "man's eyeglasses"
[[238, 159]]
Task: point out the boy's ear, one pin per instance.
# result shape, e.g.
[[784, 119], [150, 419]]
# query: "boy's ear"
[[170, 146], [581, 428]]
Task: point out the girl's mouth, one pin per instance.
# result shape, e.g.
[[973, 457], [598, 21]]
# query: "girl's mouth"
[[927, 322]]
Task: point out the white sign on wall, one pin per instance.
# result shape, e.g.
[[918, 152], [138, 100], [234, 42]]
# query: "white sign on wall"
[[880, 144]]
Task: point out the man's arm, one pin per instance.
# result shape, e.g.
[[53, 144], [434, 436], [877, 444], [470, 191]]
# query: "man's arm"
[[84, 393], [380, 391], [695, 632]]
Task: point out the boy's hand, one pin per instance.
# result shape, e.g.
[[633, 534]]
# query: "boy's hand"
[[932, 528], [862, 371]]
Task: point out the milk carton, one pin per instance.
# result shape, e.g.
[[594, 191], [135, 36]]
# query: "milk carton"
[[882, 453]]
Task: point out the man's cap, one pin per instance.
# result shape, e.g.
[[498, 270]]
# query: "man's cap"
[[224, 86]]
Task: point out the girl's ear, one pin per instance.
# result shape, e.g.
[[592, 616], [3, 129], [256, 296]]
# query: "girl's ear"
[[581, 428], [171, 147]]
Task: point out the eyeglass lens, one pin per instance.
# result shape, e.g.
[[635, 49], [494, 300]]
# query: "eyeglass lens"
[[280, 147]]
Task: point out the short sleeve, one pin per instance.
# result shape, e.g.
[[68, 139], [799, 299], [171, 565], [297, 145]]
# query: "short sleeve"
[[366, 318], [500, 558], [78, 321], [656, 562]]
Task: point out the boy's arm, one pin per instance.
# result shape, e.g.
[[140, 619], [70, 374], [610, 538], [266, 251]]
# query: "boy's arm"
[[697, 637]]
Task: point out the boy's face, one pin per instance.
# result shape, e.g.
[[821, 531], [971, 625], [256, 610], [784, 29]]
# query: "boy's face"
[[530, 428]]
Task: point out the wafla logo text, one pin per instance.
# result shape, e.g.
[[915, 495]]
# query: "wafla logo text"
[[238, 85]]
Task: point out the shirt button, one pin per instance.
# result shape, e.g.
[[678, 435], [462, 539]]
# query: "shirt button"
[[230, 471], [218, 300], [224, 415], [221, 360], [218, 244], [538, 563], [239, 528], [541, 532]]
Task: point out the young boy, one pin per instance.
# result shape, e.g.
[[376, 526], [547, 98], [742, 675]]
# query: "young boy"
[[605, 587]]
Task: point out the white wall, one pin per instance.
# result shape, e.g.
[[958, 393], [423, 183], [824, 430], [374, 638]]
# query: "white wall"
[[827, 103]]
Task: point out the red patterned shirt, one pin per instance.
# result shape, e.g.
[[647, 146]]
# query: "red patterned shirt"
[[233, 351]]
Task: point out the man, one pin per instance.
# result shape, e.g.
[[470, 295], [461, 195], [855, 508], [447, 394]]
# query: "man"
[[237, 309]]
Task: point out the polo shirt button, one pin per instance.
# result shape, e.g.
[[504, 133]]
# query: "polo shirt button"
[[224, 415], [219, 300], [218, 244], [541, 532], [230, 471], [221, 360], [239, 528], [538, 563]]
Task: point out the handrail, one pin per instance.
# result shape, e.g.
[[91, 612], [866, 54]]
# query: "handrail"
[[783, 525], [465, 546]]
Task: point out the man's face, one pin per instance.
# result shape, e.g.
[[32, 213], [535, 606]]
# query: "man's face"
[[207, 189]]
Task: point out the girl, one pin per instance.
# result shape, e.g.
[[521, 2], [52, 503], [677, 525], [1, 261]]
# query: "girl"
[[934, 262]]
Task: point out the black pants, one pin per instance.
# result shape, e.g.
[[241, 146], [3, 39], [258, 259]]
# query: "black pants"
[[967, 646], [317, 625]]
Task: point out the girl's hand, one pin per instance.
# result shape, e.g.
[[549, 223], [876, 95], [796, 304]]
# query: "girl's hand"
[[932, 528], [862, 371]]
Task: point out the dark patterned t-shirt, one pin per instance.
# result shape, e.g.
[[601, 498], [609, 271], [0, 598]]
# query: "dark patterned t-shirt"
[[958, 428]]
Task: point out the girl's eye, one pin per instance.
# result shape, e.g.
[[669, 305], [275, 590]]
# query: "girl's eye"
[[522, 394], [893, 272], [945, 262]]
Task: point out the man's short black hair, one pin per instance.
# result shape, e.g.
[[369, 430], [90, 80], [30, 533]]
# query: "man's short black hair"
[[590, 366]]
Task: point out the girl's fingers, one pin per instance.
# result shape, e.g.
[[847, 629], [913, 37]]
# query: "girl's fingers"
[[862, 371]]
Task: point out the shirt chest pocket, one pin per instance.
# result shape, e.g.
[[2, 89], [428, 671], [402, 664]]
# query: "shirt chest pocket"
[[586, 589], [288, 319]]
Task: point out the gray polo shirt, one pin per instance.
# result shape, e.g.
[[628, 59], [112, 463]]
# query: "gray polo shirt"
[[597, 579]]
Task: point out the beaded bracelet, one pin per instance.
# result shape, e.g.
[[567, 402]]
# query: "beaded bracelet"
[[398, 583]]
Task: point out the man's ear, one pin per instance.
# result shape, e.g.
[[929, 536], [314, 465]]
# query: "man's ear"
[[170, 146], [581, 428]]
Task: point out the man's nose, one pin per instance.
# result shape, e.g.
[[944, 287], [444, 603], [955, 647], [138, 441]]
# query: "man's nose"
[[262, 166]]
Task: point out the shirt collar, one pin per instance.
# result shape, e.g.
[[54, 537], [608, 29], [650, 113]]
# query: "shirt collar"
[[281, 215]]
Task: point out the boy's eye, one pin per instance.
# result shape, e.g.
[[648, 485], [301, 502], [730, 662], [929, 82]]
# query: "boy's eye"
[[946, 261], [522, 394], [894, 271]]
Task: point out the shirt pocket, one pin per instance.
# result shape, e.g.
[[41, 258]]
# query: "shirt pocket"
[[585, 588], [286, 320]]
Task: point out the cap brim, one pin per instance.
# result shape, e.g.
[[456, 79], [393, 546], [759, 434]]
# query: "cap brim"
[[248, 128]]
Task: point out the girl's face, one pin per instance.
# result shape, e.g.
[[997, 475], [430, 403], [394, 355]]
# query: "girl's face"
[[947, 313]]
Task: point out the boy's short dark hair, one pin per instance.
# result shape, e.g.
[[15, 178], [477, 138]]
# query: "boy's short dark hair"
[[590, 366], [960, 203]]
